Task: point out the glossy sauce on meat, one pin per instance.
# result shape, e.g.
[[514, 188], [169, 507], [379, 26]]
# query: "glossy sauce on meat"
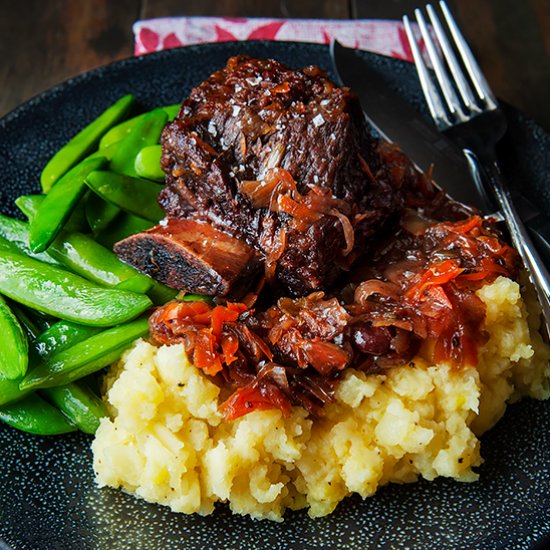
[[281, 160], [417, 296], [273, 176]]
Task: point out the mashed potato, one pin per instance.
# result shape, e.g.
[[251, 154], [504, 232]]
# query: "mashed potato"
[[166, 441]]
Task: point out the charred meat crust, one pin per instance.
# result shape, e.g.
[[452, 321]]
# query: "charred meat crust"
[[190, 255]]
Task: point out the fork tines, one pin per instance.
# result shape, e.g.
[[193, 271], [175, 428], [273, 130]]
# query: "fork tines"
[[445, 63]]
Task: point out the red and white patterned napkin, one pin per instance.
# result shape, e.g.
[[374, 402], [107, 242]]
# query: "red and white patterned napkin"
[[379, 36]]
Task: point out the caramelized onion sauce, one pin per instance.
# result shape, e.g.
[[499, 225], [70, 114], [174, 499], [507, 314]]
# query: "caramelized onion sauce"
[[413, 294]]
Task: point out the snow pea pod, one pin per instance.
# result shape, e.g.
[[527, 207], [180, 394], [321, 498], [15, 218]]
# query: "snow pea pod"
[[107, 152], [64, 294], [29, 205], [81, 406], [14, 348], [10, 391], [133, 195], [60, 336], [139, 283], [28, 324], [14, 236], [147, 163], [34, 415], [120, 131], [84, 142], [146, 132], [59, 203], [160, 294], [79, 253], [99, 213], [122, 226], [85, 357], [43, 321], [172, 110], [89, 259]]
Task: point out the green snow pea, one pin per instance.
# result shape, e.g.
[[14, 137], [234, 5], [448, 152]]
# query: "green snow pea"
[[65, 295], [84, 142], [79, 404], [117, 133], [34, 322], [59, 203], [89, 259], [160, 294], [139, 283], [107, 152], [122, 226], [120, 131], [133, 195], [29, 205], [60, 336], [10, 391], [79, 253], [86, 357], [172, 110], [195, 298], [35, 415], [29, 325], [14, 348], [147, 163], [146, 132], [43, 321], [14, 235], [99, 213]]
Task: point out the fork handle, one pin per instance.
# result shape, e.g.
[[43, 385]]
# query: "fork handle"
[[518, 232]]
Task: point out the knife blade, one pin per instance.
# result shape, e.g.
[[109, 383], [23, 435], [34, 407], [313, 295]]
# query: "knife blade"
[[397, 121]]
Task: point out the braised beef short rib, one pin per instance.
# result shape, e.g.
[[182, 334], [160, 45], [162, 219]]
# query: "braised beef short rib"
[[275, 172]]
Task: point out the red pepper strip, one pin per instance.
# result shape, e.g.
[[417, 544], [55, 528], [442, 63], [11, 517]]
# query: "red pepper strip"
[[480, 275], [184, 310], [465, 227], [437, 274], [205, 324], [325, 357], [246, 400], [217, 317], [436, 300], [204, 356], [221, 314], [230, 345]]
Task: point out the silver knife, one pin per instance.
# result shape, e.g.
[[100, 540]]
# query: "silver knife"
[[397, 121]]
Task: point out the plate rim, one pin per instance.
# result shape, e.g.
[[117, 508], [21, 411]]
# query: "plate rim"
[[82, 77]]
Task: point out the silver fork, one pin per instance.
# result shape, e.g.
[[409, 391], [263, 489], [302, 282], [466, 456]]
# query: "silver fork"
[[477, 123]]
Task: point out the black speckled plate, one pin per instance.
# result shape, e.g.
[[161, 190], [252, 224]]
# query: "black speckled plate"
[[48, 498]]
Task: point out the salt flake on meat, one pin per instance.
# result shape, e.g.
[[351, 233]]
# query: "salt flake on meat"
[[318, 120], [317, 193]]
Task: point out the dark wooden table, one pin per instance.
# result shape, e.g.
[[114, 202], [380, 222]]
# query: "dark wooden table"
[[45, 42]]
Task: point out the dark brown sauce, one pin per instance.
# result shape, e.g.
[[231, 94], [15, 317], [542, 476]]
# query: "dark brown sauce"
[[415, 293]]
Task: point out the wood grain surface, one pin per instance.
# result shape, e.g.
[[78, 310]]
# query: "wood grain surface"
[[45, 42]]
